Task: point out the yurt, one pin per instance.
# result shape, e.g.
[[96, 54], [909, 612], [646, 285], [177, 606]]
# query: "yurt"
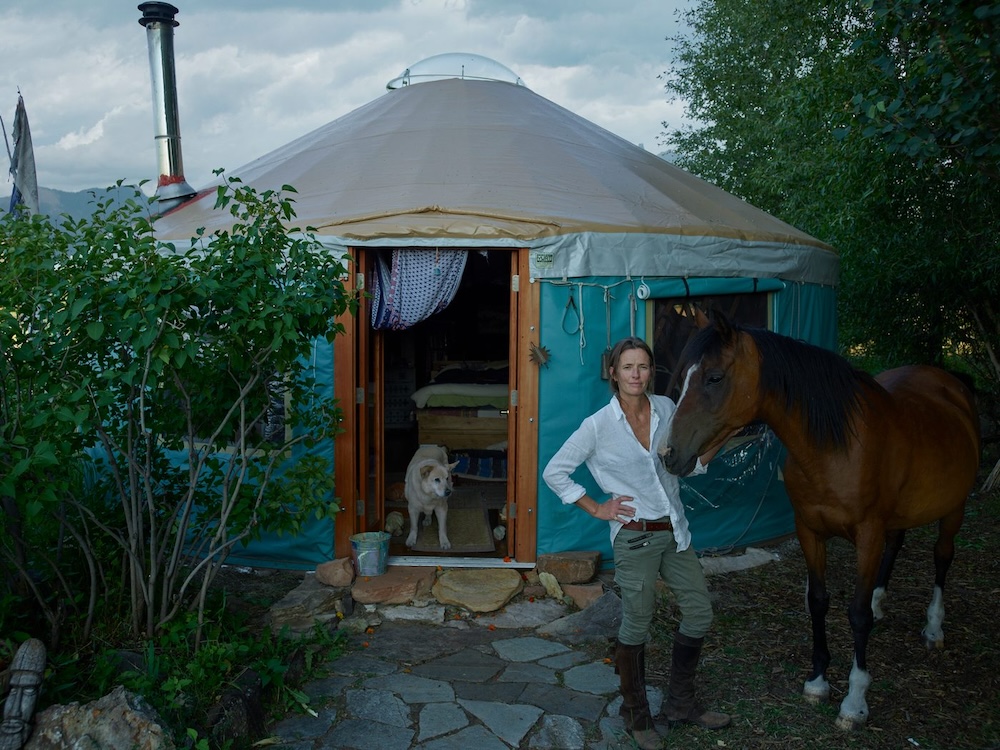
[[504, 243]]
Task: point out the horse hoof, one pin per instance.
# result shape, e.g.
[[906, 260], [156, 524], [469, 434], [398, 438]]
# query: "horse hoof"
[[816, 691], [932, 640], [849, 723]]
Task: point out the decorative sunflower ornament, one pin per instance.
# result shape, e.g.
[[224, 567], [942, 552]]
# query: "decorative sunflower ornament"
[[538, 354]]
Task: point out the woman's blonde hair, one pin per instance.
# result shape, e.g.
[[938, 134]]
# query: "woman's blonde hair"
[[626, 344]]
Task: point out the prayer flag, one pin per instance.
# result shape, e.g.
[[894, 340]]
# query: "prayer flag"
[[22, 164]]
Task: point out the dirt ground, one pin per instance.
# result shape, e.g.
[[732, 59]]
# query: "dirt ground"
[[760, 651]]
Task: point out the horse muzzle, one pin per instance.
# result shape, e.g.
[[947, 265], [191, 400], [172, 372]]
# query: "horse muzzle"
[[675, 462]]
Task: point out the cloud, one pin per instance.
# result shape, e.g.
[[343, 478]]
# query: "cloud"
[[254, 75]]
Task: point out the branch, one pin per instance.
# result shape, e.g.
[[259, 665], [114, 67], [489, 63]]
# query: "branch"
[[987, 335], [87, 549]]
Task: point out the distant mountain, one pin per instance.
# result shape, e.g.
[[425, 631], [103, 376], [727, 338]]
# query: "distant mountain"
[[79, 205]]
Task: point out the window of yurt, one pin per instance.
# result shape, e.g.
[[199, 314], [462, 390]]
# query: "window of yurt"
[[260, 427], [673, 325]]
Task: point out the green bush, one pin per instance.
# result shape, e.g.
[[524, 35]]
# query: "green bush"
[[138, 384]]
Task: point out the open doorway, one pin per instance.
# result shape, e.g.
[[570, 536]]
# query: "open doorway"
[[445, 381]]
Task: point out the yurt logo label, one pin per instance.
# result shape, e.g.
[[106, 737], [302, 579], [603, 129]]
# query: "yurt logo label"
[[543, 260]]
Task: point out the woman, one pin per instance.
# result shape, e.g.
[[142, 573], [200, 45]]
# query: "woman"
[[649, 535]]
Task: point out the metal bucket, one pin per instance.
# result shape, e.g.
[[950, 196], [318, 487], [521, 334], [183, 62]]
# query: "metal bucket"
[[370, 552]]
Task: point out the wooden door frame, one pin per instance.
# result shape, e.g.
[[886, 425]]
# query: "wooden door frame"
[[345, 390], [522, 493], [376, 343], [351, 353]]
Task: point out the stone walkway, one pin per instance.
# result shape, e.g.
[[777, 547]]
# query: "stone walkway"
[[498, 683]]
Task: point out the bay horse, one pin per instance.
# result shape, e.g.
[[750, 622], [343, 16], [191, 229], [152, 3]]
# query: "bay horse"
[[867, 458]]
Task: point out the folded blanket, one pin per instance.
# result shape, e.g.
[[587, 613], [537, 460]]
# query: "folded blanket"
[[481, 464]]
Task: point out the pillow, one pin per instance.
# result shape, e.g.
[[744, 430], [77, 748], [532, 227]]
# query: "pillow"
[[474, 372]]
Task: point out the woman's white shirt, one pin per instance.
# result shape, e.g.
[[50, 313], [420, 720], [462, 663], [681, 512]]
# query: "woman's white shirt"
[[621, 465]]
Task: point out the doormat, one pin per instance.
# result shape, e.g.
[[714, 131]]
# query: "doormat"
[[468, 531]]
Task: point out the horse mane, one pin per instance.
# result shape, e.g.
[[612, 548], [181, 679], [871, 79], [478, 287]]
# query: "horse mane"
[[828, 389], [825, 386]]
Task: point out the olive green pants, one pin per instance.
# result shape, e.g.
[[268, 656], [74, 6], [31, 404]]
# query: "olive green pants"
[[636, 570]]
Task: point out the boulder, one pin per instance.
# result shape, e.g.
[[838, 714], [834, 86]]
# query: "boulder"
[[337, 573], [584, 594], [478, 590], [398, 585], [599, 621], [238, 719], [304, 606], [552, 587], [570, 567], [121, 719]]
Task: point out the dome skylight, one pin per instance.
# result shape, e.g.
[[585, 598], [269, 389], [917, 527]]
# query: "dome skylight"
[[455, 65]]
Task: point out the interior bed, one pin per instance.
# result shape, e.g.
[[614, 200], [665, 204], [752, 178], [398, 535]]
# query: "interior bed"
[[464, 408]]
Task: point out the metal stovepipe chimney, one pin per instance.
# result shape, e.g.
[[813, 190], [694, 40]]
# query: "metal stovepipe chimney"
[[171, 187]]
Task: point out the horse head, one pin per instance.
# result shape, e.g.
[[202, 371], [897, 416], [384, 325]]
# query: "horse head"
[[719, 378]]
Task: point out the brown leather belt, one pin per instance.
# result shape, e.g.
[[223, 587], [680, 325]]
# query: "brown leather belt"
[[648, 526]]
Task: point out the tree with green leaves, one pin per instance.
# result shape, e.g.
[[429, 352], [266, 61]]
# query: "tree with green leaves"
[[934, 97], [935, 101], [870, 125], [157, 408]]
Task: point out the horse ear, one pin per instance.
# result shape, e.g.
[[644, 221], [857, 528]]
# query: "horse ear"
[[700, 318], [722, 324]]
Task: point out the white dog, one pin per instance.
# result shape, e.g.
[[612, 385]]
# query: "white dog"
[[428, 485]]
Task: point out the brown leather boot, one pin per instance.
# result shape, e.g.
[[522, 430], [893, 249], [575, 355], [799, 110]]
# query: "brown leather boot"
[[681, 705], [630, 662]]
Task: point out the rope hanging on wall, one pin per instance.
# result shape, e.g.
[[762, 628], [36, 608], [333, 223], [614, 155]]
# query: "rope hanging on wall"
[[576, 309]]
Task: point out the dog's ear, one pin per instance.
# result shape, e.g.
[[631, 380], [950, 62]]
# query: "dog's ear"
[[425, 471], [451, 467]]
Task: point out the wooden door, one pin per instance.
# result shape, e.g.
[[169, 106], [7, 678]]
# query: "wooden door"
[[350, 355]]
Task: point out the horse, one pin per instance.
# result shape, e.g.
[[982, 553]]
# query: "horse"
[[867, 458]]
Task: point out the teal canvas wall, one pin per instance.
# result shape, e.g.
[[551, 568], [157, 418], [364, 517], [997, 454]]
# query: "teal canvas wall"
[[313, 544], [741, 500]]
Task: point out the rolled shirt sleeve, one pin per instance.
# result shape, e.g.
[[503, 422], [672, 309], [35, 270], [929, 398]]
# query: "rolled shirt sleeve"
[[577, 449]]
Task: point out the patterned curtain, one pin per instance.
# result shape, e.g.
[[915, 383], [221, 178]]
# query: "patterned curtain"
[[418, 284]]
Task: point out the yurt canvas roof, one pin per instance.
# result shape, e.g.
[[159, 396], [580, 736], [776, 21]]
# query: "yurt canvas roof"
[[474, 163]]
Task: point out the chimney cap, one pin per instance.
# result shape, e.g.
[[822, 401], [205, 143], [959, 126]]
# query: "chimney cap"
[[154, 12]]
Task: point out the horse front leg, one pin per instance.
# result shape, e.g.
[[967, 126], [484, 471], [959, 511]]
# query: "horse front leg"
[[854, 707], [944, 553], [816, 689]]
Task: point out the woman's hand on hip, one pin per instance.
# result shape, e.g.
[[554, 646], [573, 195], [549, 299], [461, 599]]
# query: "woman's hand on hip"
[[617, 508]]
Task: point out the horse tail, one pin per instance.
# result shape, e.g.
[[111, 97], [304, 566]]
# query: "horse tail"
[[970, 384], [965, 379]]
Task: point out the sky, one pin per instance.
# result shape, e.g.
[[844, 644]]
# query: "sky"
[[253, 75]]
